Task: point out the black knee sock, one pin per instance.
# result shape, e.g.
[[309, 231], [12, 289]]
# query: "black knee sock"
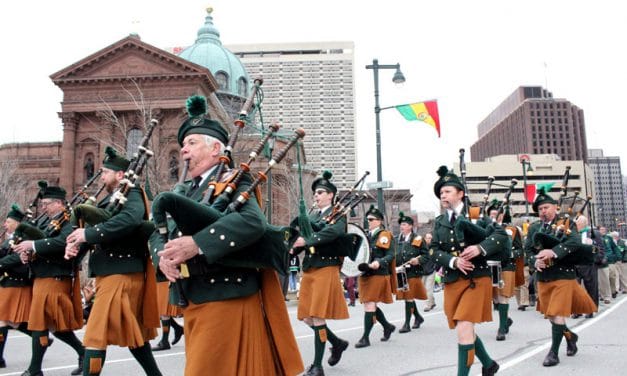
[[503, 313], [408, 309], [4, 332], [381, 317], [39, 345], [70, 338], [146, 360], [368, 323], [165, 330], [417, 312], [320, 340], [93, 362], [23, 327]]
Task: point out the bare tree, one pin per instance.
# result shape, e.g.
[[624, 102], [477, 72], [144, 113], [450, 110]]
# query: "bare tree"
[[12, 186]]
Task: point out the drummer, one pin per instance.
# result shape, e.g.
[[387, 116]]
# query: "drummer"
[[411, 251], [321, 293]]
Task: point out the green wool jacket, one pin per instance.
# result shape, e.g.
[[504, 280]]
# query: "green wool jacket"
[[231, 233], [12, 272], [378, 251], [561, 268], [118, 245], [320, 250], [446, 244], [612, 252], [415, 246], [49, 257], [515, 234]]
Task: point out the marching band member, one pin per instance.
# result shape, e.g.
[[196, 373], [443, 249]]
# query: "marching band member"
[[321, 293], [56, 305], [468, 286], [375, 285], [411, 255], [125, 308], [559, 294]]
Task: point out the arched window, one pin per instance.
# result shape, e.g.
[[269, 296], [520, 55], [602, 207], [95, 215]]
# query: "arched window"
[[242, 87], [173, 166], [223, 81], [133, 138], [88, 166]]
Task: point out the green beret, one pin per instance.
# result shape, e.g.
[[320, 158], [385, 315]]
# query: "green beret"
[[54, 192], [16, 213], [494, 205], [447, 178], [374, 212], [542, 198], [114, 161], [403, 218], [324, 183], [197, 123]]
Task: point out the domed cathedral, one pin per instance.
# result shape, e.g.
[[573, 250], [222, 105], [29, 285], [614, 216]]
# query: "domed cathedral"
[[110, 97]]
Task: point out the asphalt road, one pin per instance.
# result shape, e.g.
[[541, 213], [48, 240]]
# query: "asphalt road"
[[430, 350]]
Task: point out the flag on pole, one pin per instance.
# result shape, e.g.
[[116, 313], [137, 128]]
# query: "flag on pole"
[[427, 112], [531, 190]]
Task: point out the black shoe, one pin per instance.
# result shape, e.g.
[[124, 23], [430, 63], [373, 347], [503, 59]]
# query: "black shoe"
[[551, 359], [28, 373], [79, 369], [522, 307], [575, 315], [178, 333], [387, 332], [614, 295], [500, 335], [404, 329], [590, 315], [3, 363], [417, 322], [490, 370], [495, 306], [314, 371], [352, 304], [336, 352], [509, 323], [363, 342], [427, 309], [571, 344], [162, 345]]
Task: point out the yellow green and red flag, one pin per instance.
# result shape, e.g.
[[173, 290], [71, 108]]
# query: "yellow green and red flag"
[[426, 112]]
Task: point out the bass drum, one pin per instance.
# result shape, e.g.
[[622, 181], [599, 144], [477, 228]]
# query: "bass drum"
[[349, 267]]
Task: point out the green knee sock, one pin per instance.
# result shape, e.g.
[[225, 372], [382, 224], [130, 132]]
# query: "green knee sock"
[[331, 336], [70, 338], [416, 312], [24, 329], [320, 338], [165, 330], [4, 332], [93, 362], [482, 354], [381, 317], [557, 330], [368, 323], [465, 358], [146, 359], [503, 311], [408, 311], [39, 344]]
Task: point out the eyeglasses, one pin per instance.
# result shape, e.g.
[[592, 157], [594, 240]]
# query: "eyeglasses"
[[319, 191], [372, 219]]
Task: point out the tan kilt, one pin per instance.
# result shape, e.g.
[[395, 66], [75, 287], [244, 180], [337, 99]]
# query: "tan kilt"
[[116, 317], [509, 280], [321, 294], [163, 298], [375, 288], [51, 307], [417, 290], [15, 303], [563, 297], [462, 303]]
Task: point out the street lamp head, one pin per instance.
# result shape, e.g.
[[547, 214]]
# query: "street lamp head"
[[398, 78]]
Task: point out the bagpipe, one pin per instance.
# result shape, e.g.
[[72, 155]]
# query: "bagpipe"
[[560, 231]]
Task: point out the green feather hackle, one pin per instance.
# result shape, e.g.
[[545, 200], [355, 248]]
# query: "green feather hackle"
[[42, 184], [442, 171], [196, 105], [110, 152], [327, 175]]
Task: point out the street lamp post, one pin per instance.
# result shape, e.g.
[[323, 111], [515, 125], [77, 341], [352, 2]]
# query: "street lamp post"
[[397, 79], [526, 166]]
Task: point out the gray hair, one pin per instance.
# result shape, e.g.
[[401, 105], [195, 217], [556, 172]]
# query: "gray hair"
[[210, 140]]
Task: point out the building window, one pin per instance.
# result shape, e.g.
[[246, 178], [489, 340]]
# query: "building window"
[[133, 138], [223, 81], [242, 87]]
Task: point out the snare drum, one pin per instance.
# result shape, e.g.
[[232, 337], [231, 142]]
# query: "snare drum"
[[495, 269], [401, 279]]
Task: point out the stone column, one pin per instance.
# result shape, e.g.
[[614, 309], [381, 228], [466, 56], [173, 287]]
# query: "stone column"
[[68, 151]]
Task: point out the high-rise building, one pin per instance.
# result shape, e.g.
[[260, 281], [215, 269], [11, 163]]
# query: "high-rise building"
[[310, 85], [531, 121], [608, 182]]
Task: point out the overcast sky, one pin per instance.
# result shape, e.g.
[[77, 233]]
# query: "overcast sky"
[[469, 55]]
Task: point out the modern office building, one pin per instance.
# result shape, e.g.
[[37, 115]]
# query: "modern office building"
[[531, 121], [608, 182], [310, 85]]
